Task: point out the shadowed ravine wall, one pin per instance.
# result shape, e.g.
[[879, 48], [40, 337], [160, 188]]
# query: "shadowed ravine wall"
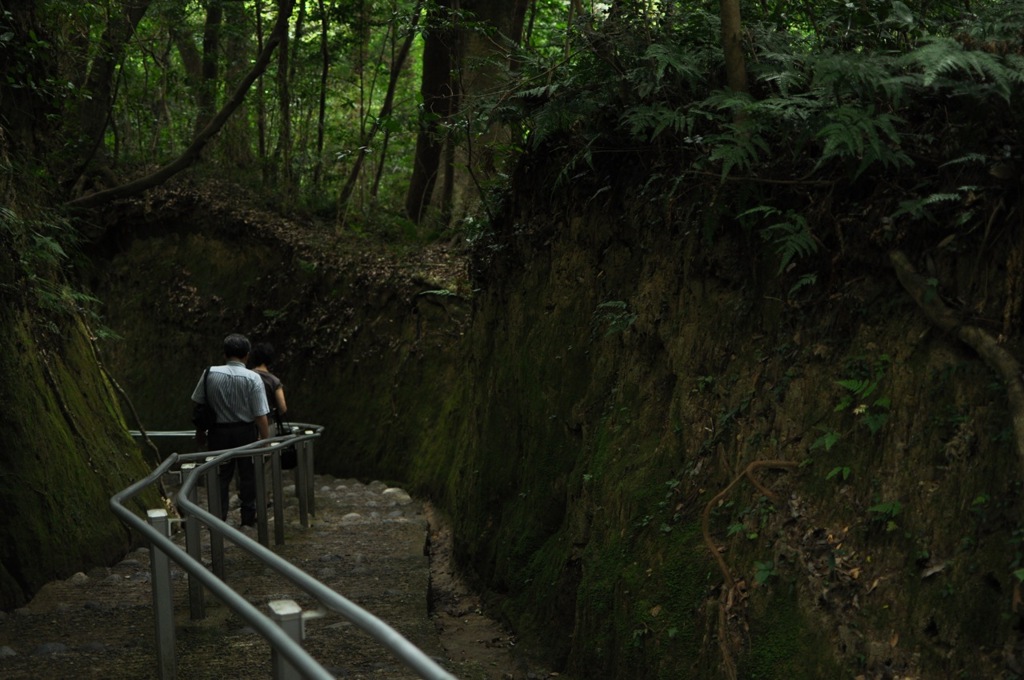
[[610, 377], [64, 450]]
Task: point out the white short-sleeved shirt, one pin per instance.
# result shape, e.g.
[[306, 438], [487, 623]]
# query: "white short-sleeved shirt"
[[236, 393]]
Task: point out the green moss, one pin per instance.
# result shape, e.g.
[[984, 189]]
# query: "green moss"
[[783, 644], [65, 452]]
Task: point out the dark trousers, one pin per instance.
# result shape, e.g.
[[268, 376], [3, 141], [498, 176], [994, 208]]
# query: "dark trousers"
[[228, 436]]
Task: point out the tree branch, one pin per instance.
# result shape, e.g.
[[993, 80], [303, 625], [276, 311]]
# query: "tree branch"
[[192, 153]]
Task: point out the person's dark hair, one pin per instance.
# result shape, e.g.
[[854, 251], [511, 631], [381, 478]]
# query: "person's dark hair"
[[236, 346], [262, 353]]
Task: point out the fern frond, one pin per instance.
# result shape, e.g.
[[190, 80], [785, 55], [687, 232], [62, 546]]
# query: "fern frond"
[[725, 100], [917, 208], [651, 121], [792, 239], [803, 282], [542, 92], [794, 109], [859, 76], [672, 57], [741, 149], [967, 158], [856, 133], [945, 58], [939, 198], [786, 81]]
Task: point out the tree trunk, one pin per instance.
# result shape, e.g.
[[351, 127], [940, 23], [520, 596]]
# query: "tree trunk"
[[283, 153], [438, 91], [236, 140], [472, 54], [93, 112], [325, 63], [208, 85], [261, 103], [732, 46]]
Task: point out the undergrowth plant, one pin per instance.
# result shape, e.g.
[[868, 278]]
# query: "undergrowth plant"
[[823, 107], [43, 246]]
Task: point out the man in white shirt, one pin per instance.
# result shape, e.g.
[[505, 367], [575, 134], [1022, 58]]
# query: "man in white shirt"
[[239, 399]]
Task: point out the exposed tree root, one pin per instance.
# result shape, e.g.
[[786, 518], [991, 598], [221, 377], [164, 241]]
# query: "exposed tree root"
[[988, 348], [730, 589], [705, 519]]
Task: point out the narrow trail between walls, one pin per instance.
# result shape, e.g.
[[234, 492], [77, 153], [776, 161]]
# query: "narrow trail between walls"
[[381, 549]]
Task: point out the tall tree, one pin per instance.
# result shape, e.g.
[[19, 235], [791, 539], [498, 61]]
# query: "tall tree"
[[321, 116], [236, 139], [208, 84], [732, 46], [94, 108], [437, 90], [283, 152], [477, 55]]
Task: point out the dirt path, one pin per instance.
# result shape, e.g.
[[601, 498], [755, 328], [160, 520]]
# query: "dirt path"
[[368, 542]]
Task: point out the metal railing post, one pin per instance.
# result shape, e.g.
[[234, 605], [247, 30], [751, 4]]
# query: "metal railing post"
[[302, 475], [310, 482], [163, 602], [214, 501], [259, 470], [194, 547], [288, 615], [278, 487]]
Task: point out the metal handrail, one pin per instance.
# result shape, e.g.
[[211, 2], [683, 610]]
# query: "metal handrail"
[[409, 654]]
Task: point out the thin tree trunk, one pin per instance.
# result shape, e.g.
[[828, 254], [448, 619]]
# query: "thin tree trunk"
[[284, 134], [236, 142], [385, 109], [380, 164], [261, 103], [732, 45], [192, 153], [325, 62]]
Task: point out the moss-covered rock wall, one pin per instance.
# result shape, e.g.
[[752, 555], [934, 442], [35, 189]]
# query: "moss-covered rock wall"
[[620, 382], [64, 451]]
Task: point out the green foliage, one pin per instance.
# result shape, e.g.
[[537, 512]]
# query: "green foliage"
[[827, 440], [614, 314], [764, 571], [792, 239], [841, 472], [649, 122], [944, 63], [885, 513], [43, 245], [863, 136]]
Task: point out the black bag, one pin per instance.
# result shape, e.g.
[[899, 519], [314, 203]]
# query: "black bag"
[[203, 415], [289, 458], [289, 455]]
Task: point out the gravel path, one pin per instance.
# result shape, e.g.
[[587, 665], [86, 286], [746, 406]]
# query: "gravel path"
[[376, 546]]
